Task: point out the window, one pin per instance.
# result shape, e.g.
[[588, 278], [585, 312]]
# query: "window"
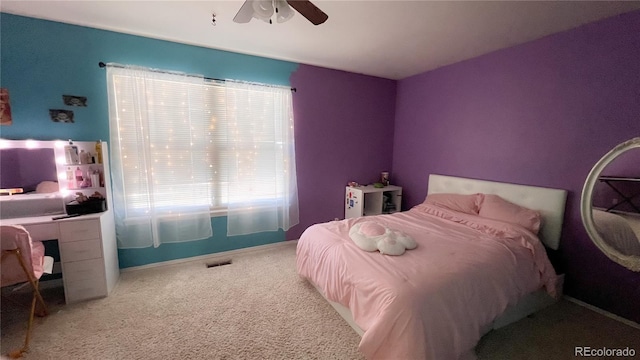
[[181, 144]]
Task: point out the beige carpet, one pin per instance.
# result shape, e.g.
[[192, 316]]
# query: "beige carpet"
[[256, 308]]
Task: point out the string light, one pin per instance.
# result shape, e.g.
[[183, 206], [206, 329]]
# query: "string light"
[[176, 154]]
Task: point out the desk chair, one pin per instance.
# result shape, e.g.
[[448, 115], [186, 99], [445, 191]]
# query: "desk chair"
[[23, 261]]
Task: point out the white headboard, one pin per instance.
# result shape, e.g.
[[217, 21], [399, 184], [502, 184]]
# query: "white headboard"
[[549, 202]]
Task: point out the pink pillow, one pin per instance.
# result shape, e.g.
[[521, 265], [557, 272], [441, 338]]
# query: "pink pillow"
[[468, 204], [497, 208]]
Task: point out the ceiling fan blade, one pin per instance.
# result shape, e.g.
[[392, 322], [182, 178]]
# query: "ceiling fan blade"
[[245, 13], [309, 11]]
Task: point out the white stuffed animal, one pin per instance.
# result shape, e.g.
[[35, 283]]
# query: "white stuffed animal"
[[371, 236]]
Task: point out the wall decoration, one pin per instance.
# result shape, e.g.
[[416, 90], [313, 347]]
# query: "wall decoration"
[[72, 100], [63, 116], [5, 107]]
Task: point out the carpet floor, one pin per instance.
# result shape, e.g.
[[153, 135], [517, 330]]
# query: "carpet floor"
[[255, 308]]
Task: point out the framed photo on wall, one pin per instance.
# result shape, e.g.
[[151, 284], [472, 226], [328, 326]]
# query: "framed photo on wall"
[[62, 116], [72, 100], [5, 107]]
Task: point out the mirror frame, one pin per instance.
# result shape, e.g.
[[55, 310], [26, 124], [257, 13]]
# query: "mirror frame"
[[631, 262]]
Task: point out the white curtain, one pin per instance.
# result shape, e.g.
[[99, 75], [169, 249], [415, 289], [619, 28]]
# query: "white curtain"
[[262, 191], [159, 157]]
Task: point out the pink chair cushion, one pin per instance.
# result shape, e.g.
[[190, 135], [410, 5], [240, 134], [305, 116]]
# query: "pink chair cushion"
[[12, 237]]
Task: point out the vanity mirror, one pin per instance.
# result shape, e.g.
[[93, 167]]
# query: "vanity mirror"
[[37, 178], [27, 171], [610, 204], [29, 178]]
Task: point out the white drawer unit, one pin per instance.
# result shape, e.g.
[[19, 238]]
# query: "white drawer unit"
[[85, 289], [85, 264], [370, 200], [84, 270], [80, 250], [79, 230]]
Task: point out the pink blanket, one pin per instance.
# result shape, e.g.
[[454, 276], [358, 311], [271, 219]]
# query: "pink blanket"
[[433, 302]]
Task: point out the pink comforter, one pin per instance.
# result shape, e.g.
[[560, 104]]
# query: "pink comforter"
[[433, 302]]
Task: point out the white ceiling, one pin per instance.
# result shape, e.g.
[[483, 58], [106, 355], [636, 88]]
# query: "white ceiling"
[[391, 39]]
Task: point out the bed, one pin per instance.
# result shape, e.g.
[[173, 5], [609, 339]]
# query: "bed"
[[468, 274]]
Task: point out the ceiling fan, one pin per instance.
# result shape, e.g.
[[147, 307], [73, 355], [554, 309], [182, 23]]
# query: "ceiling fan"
[[265, 9]]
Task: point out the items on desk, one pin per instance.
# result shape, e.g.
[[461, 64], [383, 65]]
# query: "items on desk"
[[47, 187], [99, 151], [79, 180], [85, 157], [65, 216], [83, 198], [12, 191], [71, 154], [83, 204], [70, 178], [79, 177]]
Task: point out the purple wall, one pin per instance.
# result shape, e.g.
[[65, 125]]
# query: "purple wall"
[[344, 132], [541, 113]]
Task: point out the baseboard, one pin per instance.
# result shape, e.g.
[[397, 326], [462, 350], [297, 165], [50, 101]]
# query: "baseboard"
[[603, 312], [224, 254]]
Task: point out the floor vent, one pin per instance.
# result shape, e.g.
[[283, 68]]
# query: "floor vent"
[[219, 263]]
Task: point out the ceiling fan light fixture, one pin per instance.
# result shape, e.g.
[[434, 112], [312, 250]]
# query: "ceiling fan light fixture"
[[283, 11], [263, 9]]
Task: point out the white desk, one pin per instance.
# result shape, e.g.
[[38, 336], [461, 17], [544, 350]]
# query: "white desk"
[[88, 251]]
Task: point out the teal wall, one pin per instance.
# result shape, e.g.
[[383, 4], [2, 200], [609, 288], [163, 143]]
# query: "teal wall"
[[42, 60]]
